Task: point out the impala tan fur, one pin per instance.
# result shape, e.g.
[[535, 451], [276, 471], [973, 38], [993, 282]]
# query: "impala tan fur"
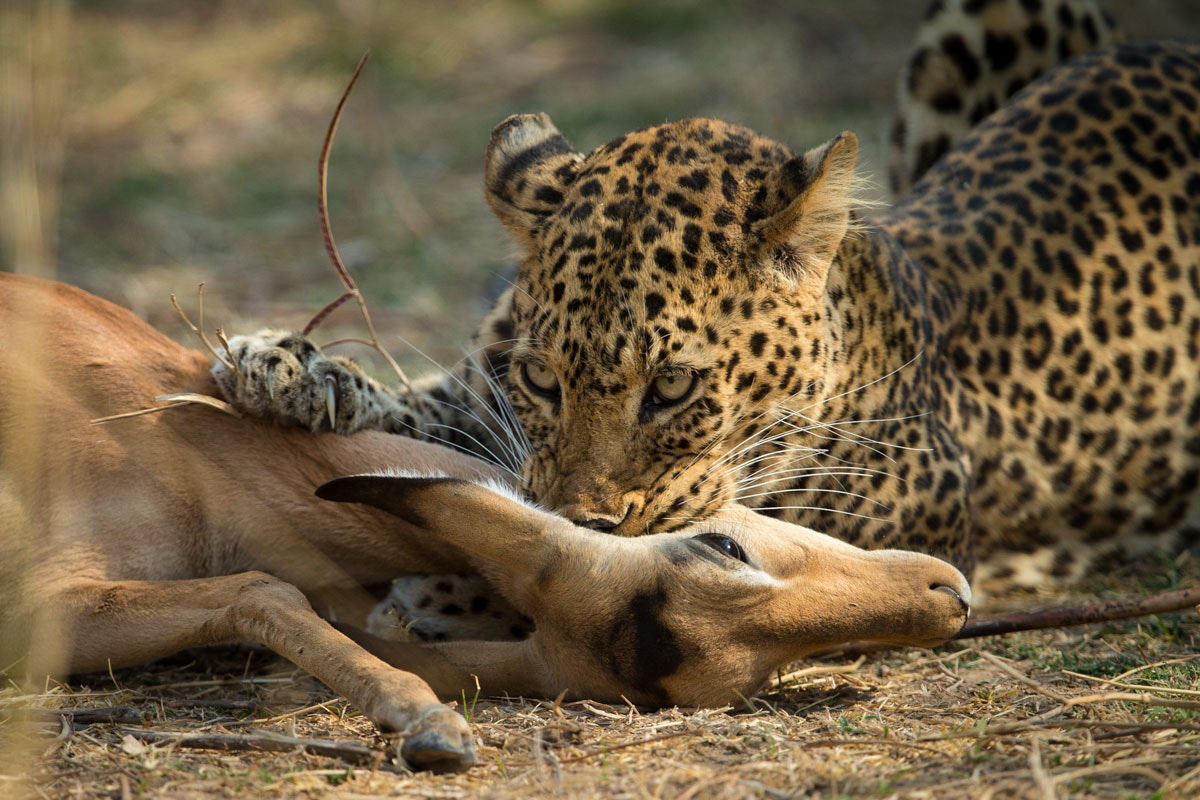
[[127, 541]]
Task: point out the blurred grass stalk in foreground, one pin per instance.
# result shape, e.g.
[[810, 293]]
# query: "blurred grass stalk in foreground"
[[33, 67], [33, 70]]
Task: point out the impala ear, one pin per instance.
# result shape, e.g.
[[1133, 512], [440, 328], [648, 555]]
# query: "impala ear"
[[492, 524], [813, 197], [527, 169]]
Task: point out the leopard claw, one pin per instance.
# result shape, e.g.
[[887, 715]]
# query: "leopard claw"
[[271, 383], [331, 401]]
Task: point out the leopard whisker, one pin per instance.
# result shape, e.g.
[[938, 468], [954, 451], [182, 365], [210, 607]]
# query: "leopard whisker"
[[518, 443], [784, 479], [799, 454], [492, 377], [512, 456], [854, 464], [741, 419], [752, 442], [815, 490], [859, 438], [866, 385], [495, 458], [456, 379], [817, 508], [457, 447], [787, 464], [502, 411], [804, 473], [780, 452], [842, 436], [816, 424], [717, 439], [513, 284], [765, 436], [513, 447], [473, 354], [843, 439], [880, 419], [801, 472], [768, 433]]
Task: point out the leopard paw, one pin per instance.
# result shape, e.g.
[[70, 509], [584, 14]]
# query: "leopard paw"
[[446, 607], [283, 376]]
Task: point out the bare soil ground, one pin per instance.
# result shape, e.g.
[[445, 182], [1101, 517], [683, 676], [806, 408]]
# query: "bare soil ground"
[[151, 146]]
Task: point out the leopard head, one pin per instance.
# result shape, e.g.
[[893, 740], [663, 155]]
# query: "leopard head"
[[671, 298]]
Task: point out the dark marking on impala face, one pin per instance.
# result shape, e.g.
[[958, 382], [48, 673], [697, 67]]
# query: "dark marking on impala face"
[[642, 649]]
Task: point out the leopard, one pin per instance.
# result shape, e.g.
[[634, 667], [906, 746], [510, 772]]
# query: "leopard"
[[969, 57], [1001, 369]]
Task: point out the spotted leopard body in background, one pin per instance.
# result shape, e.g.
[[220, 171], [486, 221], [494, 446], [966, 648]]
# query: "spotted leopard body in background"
[[972, 55], [1064, 234]]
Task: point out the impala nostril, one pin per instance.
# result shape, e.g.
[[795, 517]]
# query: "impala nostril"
[[953, 592]]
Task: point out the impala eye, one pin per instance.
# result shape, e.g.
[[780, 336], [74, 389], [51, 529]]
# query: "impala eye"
[[541, 379], [670, 389], [724, 545]]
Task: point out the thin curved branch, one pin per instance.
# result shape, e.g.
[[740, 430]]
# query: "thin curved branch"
[[327, 234]]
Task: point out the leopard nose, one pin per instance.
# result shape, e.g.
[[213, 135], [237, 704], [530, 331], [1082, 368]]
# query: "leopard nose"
[[603, 522]]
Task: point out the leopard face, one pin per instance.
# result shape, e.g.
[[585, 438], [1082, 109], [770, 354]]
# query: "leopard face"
[[669, 308]]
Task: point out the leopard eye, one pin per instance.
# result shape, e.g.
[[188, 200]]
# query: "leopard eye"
[[668, 389], [541, 379]]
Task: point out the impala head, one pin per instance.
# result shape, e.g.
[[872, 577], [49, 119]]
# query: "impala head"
[[694, 617]]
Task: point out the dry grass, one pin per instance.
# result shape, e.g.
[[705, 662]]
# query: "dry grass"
[[1083, 713], [150, 146]]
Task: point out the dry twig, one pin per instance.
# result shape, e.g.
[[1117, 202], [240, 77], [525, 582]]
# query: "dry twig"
[[1027, 681], [83, 716], [603, 751], [335, 259], [1141, 686], [199, 330], [1015, 728], [813, 744], [1140, 698], [839, 669], [172, 401], [1110, 611], [189, 398], [299, 712], [351, 752]]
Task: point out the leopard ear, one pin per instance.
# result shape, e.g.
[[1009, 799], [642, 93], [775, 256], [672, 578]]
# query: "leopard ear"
[[815, 194], [528, 167]]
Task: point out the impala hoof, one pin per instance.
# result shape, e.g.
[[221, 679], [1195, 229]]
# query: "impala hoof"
[[441, 743]]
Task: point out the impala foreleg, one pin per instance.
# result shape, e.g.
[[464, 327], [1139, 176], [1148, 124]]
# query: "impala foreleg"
[[462, 669], [129, 622]]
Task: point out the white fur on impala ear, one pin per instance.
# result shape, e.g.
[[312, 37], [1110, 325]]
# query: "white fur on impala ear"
[[338, 486]]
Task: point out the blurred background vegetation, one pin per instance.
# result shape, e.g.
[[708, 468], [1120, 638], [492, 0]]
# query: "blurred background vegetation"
[[149, 146]]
